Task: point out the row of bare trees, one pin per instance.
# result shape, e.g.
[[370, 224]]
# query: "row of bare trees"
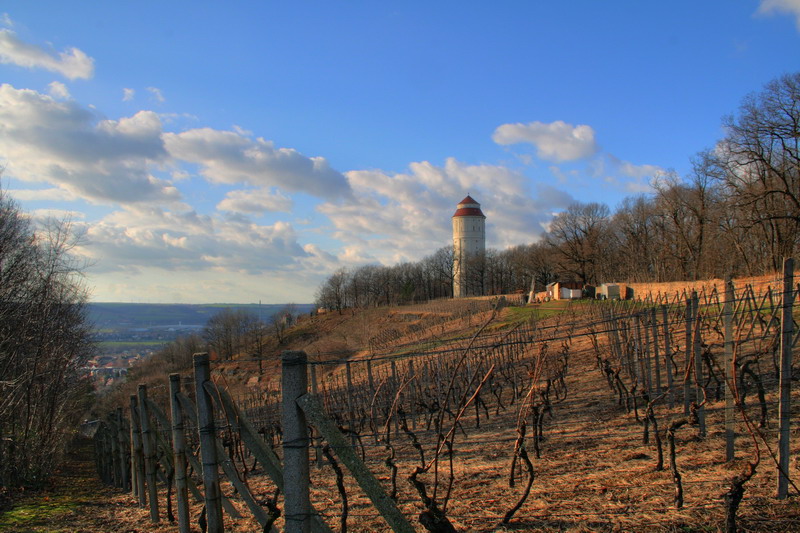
[[737, 212], [45, 340]]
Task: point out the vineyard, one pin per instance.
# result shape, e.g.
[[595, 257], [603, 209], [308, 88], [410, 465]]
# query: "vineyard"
[[666, 413]]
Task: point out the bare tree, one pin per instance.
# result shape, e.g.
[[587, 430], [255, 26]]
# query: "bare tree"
[[45, 340], [228, 332], [331, 294], [760, 162], [281, 320], [580, 237]]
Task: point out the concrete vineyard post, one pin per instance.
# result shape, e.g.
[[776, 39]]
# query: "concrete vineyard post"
[[208, 444], [294, 383]]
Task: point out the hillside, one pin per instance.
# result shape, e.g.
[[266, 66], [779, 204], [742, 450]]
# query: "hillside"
[[556, 417]]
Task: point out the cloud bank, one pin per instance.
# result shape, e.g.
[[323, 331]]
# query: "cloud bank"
[[231, 157], [790, 7], [72, 63], [61, 143], [556, 141]]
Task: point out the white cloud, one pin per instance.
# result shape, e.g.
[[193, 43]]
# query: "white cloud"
[[229, 157], [179, 175], [5, 20], [157, 95], [56, 214], [399, 217], [639, 171], [186, 241], [790, 7], [61, 143], [72, 63], [557, 141], [128, 94], [255, 202], [53, 194], [624, 175], [58, 90]]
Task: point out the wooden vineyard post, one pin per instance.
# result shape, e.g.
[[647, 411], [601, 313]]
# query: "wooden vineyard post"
[[148, 444], [614, 328], [137, 454], [317, 445], [123, 450], [102, 453], [730, 372], [350, 411], [785, 383], [113, 449], [656, 355], [108, 455], [294, 384], [208, 445], [179, 453], [230, 470], [688, 357], [668, 356], [698, 365], [644, 347], [395, 386], [412, 376]]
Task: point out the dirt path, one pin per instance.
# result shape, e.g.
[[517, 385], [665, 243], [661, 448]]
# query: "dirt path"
[[76, 502]]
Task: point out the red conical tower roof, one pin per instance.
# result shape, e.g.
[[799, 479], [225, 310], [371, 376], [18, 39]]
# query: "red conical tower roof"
[[468, 207]]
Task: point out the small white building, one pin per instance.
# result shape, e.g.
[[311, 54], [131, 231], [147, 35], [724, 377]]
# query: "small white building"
[[564, 290]]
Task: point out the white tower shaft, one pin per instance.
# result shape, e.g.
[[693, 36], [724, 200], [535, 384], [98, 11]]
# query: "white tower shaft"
[[469, 244]]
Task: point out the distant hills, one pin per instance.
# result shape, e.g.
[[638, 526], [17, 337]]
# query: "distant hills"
[[118, 315]]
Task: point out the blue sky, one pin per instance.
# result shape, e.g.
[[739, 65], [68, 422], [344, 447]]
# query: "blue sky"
[[245, 151]]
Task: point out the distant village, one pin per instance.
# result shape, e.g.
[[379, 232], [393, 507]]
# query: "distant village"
[[121, 348]]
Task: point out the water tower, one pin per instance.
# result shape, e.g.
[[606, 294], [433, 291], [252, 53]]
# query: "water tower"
[[469, 241]]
